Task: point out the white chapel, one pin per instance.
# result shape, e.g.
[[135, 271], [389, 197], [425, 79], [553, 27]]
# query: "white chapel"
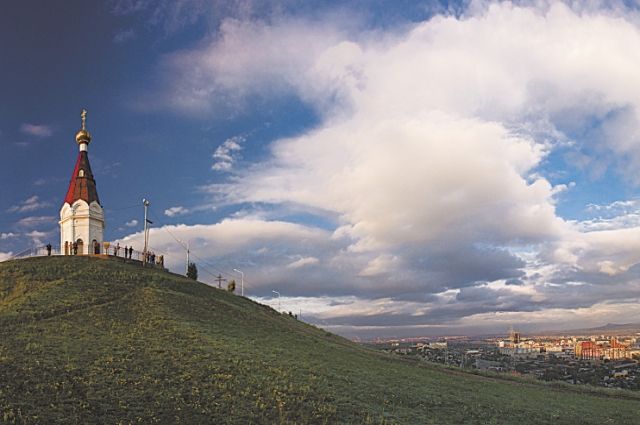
[[81, 215]]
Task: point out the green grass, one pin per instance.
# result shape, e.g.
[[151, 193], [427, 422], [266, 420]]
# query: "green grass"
[[85, 340]]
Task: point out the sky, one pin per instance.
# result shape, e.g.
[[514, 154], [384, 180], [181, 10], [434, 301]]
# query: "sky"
[[391, 168]]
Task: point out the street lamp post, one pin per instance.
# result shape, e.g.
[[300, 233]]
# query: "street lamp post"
[[241, 281], [278, 293], [187, 268], [185, 245]]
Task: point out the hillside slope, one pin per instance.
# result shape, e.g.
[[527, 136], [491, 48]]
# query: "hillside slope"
[[85, 340]]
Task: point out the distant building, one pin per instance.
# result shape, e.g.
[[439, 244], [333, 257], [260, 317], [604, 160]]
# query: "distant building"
[[81, 215], [515, 337], [610, 349]]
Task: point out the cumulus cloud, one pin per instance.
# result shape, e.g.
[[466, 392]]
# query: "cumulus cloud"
[[36, 130], [30, 204], [132, 223], [430, 148], [4, 256], [264, 247], [406, 177], [4, 236]]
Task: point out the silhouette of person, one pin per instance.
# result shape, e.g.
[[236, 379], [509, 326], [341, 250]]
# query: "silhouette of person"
[[75, 248], [130, 251], [49, 249]]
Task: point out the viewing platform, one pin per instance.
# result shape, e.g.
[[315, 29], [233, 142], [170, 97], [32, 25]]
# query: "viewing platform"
[[108, 252]]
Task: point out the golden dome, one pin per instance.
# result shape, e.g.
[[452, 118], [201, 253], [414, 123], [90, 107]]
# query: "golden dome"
[[83, 136]]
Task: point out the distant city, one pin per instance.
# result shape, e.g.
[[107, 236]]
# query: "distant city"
[[600, 359]]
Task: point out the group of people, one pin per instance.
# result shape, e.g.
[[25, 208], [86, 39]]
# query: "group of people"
[[70, 248], [128, 251], [148, 257], [151, 258]]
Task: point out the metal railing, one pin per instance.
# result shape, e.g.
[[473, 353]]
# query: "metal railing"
[[109, 250], [39, 251]]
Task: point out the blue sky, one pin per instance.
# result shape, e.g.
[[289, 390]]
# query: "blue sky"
[[391, 168]]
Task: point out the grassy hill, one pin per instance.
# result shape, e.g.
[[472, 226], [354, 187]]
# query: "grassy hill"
[[85, 340]]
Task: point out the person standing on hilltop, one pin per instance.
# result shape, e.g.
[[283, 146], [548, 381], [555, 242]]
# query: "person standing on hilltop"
[[49, 249], [130, 251]]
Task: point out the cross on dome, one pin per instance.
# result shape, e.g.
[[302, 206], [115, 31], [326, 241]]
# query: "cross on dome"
[[83, 115], [83, 137]]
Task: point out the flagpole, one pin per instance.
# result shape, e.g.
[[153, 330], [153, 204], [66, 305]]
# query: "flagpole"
[[146, 204]]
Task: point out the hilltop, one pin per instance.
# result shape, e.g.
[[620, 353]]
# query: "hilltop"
[[86, 340]]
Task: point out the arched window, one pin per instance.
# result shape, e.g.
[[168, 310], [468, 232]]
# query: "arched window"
[[81, 173]]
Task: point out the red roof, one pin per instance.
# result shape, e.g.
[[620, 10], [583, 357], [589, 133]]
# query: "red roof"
[[82, 185]]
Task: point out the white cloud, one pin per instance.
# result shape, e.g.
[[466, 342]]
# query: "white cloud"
[[616, 215], [132, 223], [175, 211], [4, 256], [36, 237], [430, 146], [233, 237], [34, 221], [302, 262], [30, 204], [4, 236], [616, 206], [36, 130], [606, 251], [405, 177], [227, 153], [618, 222]]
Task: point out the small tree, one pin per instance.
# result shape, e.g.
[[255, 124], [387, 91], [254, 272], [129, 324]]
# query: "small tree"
[[192, 271], [231, 286]]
